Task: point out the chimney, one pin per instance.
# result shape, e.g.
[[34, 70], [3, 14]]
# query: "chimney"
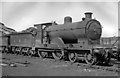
[[67, 19], [88, 15]]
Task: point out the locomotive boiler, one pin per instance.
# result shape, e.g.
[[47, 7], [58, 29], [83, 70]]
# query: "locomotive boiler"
[[70, 32]]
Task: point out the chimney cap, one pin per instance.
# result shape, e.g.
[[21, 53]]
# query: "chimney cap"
[[88, 13]]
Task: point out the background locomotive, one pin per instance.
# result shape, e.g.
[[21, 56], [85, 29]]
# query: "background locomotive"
[[113, 43], [78, 40]]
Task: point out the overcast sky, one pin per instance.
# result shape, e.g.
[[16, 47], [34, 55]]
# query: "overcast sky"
[[21, 15]]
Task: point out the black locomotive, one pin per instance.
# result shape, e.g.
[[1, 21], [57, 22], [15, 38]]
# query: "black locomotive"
[[71, 40]]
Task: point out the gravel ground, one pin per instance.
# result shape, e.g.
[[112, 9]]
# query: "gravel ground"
[[13, 65]]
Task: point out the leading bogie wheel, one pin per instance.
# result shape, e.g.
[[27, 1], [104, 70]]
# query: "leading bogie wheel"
[[72, 57], [107, 58]]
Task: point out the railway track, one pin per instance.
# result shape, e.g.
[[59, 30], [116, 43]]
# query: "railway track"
[[112, 68], [98, 67]]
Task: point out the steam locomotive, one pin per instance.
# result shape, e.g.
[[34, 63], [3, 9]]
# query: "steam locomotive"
[[71, 40]]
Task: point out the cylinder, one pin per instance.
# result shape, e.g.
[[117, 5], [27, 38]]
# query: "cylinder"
[[67, 19]]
